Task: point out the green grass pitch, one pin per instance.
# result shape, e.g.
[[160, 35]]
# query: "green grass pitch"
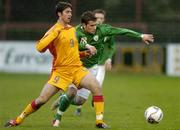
[[126, 98]]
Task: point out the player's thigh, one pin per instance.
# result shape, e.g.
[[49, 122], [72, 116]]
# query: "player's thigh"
[[89, 82], [46, 93]]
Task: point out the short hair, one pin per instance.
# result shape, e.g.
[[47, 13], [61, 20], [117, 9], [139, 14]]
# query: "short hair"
[[87, 16], [61, 6], [101, 11]]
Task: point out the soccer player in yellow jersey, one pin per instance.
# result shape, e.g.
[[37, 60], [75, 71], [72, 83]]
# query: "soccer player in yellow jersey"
[[67, 68]]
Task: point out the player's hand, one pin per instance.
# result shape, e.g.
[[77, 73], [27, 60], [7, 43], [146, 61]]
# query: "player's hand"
[[88, 53], [147, 38], [108, 64], [91, 48], [84, 54]]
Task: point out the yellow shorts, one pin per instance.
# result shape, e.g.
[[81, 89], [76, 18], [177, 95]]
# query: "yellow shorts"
[[62, 79]]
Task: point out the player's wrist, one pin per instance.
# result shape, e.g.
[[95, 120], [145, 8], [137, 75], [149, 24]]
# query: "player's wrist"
[[109, 60], [142, 36], [87, 46]]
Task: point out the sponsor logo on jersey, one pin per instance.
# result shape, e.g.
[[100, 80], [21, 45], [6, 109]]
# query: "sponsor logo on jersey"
[[83, 40]]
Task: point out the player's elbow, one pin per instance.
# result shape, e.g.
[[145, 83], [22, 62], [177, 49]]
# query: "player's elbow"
[[39, 48]]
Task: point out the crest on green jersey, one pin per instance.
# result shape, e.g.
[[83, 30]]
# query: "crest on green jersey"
[[83, 40], [96, 38]]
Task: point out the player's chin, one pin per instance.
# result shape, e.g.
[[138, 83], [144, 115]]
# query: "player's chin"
[[68, 20], [92, 32]]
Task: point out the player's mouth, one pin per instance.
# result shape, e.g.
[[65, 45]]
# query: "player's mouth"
[[69, 18]]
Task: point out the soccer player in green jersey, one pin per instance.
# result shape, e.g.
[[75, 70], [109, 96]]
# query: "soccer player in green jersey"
[[105, 62], [88, 32]]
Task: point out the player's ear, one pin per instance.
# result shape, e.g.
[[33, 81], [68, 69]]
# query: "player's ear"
[[83, 25], [59, 14]]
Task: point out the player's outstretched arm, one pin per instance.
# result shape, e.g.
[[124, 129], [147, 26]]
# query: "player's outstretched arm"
[[147, 38], [111, 31]]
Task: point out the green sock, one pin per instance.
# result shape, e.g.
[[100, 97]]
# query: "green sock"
[[64, 103], [58, 116]]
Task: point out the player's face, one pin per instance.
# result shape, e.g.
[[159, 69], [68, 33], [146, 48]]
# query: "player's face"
[[66, 15], [100, 18], [90, 27]]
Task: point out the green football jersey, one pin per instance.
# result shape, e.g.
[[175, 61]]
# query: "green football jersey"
[[98, 40]]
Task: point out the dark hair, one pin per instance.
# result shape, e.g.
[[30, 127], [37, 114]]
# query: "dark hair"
[[87, 16], [101, 11], [60, 6]]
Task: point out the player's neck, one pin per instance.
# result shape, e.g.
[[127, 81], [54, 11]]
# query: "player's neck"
[[64, 24]]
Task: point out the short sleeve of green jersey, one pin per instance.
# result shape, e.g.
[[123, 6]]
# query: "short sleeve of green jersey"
[[108, 30]]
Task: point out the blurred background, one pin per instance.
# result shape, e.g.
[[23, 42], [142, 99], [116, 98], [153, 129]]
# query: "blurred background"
[[27, 21]]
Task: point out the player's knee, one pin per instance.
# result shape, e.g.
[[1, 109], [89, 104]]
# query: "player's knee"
[[71, 93], [42, 100], [96, 90], [95, 83]]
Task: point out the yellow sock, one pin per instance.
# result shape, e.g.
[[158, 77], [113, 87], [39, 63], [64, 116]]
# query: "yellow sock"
[[28, 110], [99, 108]]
